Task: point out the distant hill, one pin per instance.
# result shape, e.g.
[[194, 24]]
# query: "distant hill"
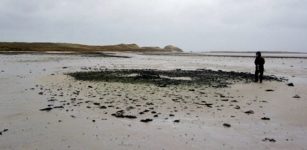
[[42, 47]]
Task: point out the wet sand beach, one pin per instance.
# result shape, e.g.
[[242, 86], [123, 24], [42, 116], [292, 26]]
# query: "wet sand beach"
[[43, 107]]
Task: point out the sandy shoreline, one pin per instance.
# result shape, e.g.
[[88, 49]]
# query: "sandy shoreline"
[[88, 125]]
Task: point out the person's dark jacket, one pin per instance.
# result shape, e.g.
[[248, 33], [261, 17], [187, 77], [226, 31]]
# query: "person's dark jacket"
[[259, 62]]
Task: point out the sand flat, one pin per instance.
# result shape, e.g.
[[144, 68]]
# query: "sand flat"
[[87, 126]]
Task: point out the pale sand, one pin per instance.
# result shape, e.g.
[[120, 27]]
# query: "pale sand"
[[202, 128]]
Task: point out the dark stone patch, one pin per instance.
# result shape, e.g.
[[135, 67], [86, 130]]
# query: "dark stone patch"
[[217, 79]]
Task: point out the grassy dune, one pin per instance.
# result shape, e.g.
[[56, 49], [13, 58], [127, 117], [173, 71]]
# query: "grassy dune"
[[42, 47]]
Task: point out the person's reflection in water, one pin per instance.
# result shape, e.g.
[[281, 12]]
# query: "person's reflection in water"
[[259, 62]]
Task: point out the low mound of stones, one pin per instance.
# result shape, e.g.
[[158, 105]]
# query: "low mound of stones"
[[162, 78]]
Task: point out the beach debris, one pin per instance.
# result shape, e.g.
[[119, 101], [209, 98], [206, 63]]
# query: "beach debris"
[[296, 96], [265, 118], [226, 125], [269, 140], [146, 120], [249, 112], [290, 84]]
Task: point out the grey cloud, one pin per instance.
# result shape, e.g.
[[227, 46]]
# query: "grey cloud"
[[191, 24]]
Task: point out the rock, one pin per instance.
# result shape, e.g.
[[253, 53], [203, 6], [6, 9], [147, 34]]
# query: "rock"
[[41, 93], [265, 118], [58, 107], [103, 107], [237, 107], [290, 84], [96, 104], [269, 140], [269, 90], [176, 121], [296, 96], [146, 120], [249, 112], [226, 125], [46, 109], [130, 116]]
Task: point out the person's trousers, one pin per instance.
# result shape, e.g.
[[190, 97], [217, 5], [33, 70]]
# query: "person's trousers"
[[259, 75]]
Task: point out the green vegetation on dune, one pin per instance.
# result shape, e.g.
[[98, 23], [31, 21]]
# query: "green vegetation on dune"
[[41, 47]]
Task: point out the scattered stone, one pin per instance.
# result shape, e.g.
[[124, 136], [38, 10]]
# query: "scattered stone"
[[237, 107], [130, 117], [176, 121], [120, 114], [96, 104], [249, 112], [58, 107], [269, 90], [290, 84], [103, 107], [265, 118], [269, 140], [41, 93], [226, 125], [146, 120], [296, 96], [46, 109], [234, 101]]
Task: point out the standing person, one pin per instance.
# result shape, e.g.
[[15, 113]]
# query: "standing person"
[[259, 62]]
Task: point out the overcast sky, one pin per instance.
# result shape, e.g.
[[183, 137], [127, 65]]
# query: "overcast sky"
[[193, 25]]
